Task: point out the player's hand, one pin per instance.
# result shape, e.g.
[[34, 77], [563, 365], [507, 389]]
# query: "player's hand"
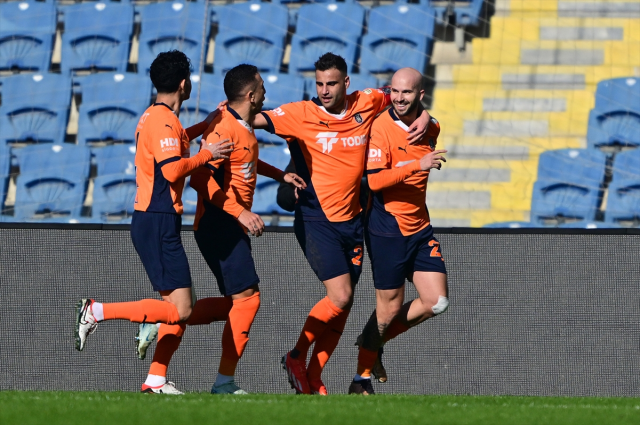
[[222, 105], [252, 222], [219, 150], [432, 160], [419, 128], [295, 180]]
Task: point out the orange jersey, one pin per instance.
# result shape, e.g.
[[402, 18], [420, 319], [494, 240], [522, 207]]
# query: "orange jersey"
[[329, 151], [160, 139], [235, 176], [398, 209]]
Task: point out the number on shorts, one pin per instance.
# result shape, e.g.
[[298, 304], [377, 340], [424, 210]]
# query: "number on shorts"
[[436, 246], [357, 260]]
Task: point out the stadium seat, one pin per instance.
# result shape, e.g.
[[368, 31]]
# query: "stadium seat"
[[269, 139], [114, 188], [587, 224], [569, 185], [277, 156], [172, 25], [97, 36], [211, 92], [510, 225], [5, 166], [27, 31], [252, 33], [112, 104], [321, 28], [35, 108], [115, 159], [281, 89], [398, 36], [623, 200], [52, 180], [357, 82], [265, 199], [615, 120], [466, 13]]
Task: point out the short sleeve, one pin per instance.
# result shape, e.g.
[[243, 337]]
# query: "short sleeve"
[[379, 157], [285, 120], [381, 98], [166, 141]]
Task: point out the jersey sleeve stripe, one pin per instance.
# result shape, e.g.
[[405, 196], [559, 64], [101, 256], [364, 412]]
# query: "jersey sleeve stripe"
[[169, 160], [270, 127]]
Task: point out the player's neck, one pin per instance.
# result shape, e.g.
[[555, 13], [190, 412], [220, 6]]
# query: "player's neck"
[[409, 119], [337, 110], [172, 100], [243, 110]]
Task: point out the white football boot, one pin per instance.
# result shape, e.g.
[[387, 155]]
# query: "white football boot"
[[86, 323], [228, 388], [166, 388], [147, 332]]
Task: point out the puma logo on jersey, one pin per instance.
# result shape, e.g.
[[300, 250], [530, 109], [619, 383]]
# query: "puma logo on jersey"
[[218, 134], [324, 123], [402, 149], [246, 149], [167, 125], [248, 170], [327, 140]]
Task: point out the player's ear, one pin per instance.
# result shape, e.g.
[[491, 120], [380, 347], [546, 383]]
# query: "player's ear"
[[347, 82], [421, 94]]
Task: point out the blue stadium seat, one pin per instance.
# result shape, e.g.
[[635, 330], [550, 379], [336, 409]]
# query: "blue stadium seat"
[[615, 120], [569, 185], [35, 108], [277, 156], [510, 225], [623, 200], [269, 139], [321, 28], [360, 82], [5, 166], [588, 224], [112, 104], [114, 189], [52, 180], [466, 12], [211, 93], [399, 35], [172, 25], [265, 199], [97, 36], [281, 89], [252, 33], [27, 31]]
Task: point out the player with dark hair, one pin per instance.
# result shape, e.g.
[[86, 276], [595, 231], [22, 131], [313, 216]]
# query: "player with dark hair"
[[162, 163], [223, 217], [399, 235], [328, 139]]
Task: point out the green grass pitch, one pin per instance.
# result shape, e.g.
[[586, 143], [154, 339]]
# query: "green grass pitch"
[[95, 408]]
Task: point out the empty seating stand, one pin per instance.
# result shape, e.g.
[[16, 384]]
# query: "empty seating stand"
[[35, 108], [623, 200], [281, 89], [97, 36], [27, 31], [112, 104], [52, 181], [398, 36], [321, 28], [569, 186], [252, 33], [615, 120], [172, 25], [114, 188], [206, 93]]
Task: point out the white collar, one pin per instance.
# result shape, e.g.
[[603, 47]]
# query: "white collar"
[[338, 116]]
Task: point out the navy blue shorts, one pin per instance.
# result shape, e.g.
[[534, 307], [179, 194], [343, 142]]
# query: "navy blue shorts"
[[156, 237], [395, 258], [332, 249], [227, 250]]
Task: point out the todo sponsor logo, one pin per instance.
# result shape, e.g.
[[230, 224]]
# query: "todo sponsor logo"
[[328, 139]]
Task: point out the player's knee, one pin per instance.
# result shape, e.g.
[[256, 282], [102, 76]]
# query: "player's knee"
[[184, 313], [440, 306], [343, 300]]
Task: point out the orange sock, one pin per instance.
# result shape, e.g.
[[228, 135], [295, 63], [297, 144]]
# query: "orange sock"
[[326, 344], [236, 332], [169, 337], [144, 311], [396, 327], [316, 323], [208, 310], [366, 360]]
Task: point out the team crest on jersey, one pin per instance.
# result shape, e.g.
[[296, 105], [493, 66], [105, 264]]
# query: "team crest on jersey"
[[358, 118]]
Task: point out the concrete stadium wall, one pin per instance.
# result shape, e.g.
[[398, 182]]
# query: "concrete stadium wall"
[[532, 313]]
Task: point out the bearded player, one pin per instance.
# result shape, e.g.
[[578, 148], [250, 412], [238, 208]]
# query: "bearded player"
[[400, 239], [328, 139]]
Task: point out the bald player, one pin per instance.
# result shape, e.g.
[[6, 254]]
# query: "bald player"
[[328, 137], [399, 235]]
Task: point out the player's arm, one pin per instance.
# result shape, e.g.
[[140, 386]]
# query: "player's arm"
[[280, 176], [197, 130], [419, 128], [283, 121]]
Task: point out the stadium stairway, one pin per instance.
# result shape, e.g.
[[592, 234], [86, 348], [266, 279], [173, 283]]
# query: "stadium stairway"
[[526, 89]]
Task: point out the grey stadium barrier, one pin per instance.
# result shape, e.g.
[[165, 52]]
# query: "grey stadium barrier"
[[533, 312]]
